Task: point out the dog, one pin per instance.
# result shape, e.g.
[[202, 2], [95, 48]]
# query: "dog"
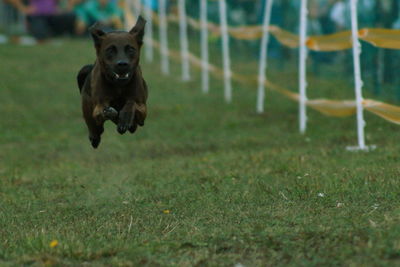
[[113, 87]]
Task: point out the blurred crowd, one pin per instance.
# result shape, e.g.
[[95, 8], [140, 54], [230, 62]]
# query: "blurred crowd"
[[47, 18], [325, 16]]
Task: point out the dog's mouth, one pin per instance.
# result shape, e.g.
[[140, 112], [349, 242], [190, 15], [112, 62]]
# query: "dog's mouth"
[[121, 77]]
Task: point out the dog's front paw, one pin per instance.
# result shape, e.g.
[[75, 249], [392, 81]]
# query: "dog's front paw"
[[125, 122], [110, 113], [122, 128]]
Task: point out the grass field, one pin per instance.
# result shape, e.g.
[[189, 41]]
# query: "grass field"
[[204, 183]]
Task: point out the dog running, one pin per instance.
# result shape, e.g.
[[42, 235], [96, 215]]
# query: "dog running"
[[113, 87]]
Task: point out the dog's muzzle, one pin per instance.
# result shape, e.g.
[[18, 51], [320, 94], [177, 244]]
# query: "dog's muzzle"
[[122, 70]]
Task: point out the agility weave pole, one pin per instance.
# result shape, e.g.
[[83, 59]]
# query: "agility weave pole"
[[148, 14], [357, 76], [334, 42], [263, 64], [205, 77], [184, 40], [163, 31], [303, 67], [225, 51]]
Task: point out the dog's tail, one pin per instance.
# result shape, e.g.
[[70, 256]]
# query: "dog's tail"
[[82, 75]]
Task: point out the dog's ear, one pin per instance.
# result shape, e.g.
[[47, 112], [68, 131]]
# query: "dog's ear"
[[138, 29], [97, 34]]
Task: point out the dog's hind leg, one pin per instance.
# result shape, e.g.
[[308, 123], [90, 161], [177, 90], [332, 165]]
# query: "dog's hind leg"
[[95, 132], [95, 136], [95, 128]]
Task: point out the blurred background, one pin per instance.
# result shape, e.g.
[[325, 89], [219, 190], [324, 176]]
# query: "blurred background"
[[32, 22]]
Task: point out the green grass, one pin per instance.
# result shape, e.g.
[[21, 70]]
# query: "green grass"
[[240, 187]]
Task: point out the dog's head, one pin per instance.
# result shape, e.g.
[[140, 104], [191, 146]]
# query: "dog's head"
[[118, 52]]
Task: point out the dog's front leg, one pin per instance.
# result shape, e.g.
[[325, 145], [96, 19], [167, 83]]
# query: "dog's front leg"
[[126, 118], [103, 112]]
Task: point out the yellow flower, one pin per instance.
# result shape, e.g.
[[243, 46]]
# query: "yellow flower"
[[53, 243], [166, 211]]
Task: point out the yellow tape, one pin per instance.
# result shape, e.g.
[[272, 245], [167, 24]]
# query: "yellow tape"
[[246, 32], [386, 111], [385, 38], [286, 38], [335, 108], [331, 42]]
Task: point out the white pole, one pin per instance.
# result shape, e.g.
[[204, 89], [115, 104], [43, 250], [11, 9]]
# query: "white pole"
[[303, 67], [162, 6], [263, 56], [357, 75], [205, 78], [184, 41], [149, 31], [225, 51]]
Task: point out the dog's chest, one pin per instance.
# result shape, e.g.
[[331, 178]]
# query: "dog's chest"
[[118, 102]]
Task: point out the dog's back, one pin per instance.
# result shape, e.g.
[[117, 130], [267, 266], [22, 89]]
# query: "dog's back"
[[83, 74]]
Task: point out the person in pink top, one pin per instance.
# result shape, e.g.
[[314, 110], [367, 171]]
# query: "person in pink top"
[[45, 19]]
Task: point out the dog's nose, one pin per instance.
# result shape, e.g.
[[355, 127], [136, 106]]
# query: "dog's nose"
[[122, 64]]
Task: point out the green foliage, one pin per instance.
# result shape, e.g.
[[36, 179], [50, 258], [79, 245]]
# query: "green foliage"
[[239, 187]]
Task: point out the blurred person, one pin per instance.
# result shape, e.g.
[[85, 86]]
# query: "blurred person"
[[314, 28], [45, 19], [325, 7], [396, 23], [242, 12], [153, 4], [367, 13], [105, 12], [249, 8], [372, 57], [388, 59], [340, 15], [314, 24], [236, 14]]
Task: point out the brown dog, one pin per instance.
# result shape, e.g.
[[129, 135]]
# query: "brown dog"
[[113, 88]]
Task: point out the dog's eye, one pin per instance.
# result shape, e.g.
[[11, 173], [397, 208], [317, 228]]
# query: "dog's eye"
[[110, 51], [130, 49]]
